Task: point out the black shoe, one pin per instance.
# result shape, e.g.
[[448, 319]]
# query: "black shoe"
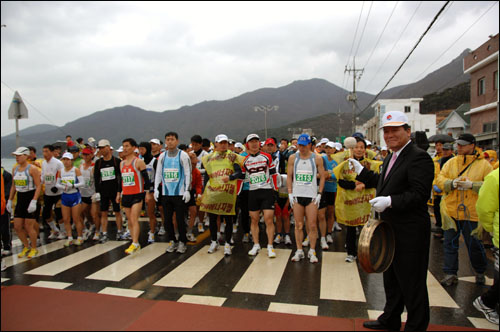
[[374, 325]]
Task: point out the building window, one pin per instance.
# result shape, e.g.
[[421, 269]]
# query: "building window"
[[495, 80], [481, 87], [407, 109], [489, 127]]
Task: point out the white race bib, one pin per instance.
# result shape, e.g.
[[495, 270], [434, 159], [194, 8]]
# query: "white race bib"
[[108, 173], [170, 175], [128, 179]]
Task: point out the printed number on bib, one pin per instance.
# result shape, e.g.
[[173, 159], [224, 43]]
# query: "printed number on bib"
[[128, 179], [304, 178], [68, 180], [258, 178], [50, 178], [171, 175], [108, 173], [21, 181]]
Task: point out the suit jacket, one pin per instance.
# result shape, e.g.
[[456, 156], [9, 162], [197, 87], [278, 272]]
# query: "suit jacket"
[[409, 183]]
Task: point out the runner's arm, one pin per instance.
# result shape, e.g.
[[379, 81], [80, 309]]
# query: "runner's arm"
[[141, 166]]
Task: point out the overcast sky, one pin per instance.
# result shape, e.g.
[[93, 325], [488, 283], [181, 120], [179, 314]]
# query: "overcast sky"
[[71, 59]]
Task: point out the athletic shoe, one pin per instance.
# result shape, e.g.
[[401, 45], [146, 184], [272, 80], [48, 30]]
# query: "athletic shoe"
[[312, 256], [227, 249], [246, 238], [125, 236], [299, 255], [181, 248], [191, 237], [68, 243], [4, 266], [53, 235], [213, 247], [86, 234], [77, 242], [324, 245], [119, 234], [449, 280], [33, 252], [23, 253], [255, 250], [161, 232], [132, 249], [171, 246], [62, 236], [270, 252], [104, 238], [6, 252], [350, 258], [96, 237], [329, 238], [305, 243], [200, 228], [232, 241], [278, 239], [490, 314], [151, 237], [288, 240], [336, 227]]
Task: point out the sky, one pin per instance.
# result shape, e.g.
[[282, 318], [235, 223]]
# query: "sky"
[[71, 59]]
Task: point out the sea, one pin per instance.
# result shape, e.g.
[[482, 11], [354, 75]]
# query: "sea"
[[8, 163]]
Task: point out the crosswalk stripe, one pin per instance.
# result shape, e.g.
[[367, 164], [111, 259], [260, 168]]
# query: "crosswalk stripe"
[[334, 272], [482, 323], [128, 265], [70, 261], [438, 296], [296, 309], [5, 279], [205, 300], [489, 281], [121, 292], [51, 284], [192, 270], [42, 250], [264, 275]]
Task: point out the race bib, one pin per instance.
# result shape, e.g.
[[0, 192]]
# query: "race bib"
[[21, 181], [170, 175], [128, 179], [258, 178], [304, 178], [68, 180], [50, 178], [108, 173]]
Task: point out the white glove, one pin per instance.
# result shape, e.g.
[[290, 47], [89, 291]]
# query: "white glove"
[[186, 197], [156, 195], [381, 203], [467, 184], [356, 164], [32, 206], [317, 200], [97, 197], [455, 183], [292, 199], [9, 206]]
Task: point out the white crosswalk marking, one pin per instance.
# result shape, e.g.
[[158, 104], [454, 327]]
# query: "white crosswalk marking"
[[438, 296], [42, 250], [192, 270], [296, 309], [264, 275], [51, 284], [340, 280], [128, 265], [205, 300], [121, 292], [70, 261]]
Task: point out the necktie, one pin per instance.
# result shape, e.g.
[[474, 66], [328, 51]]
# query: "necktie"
[[391, 163]]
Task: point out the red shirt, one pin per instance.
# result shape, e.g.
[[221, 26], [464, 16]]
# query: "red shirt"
[[197, 183]]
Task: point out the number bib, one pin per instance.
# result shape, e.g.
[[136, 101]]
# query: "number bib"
[[21, 181], [128, 179], [108, 173], [258, 178], [304, 178], [170, 175], [50, 179], [68, 180]]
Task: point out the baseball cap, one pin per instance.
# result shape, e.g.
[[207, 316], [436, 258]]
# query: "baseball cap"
[[86, 151], [269, 141], [73, 148], [368, 142], [238, 145], [91, 140], [466, 139], [221, 138], [331, 145], [252, 136], [120, 149], [447, 146], [384, 148], [324, 141], [231, 141], [103, 143], [304, 139], [155, 141], [394, 119], [338, 146], [358, 134], [67, 155], [21, 150]]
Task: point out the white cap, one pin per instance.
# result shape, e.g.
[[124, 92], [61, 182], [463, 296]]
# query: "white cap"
[[384, 148], [103, 143], [21, 150], [394, 119], [324, 141], [221, 138], [368, 142], [67, 155], [155, 141], [252, 136], [331, 145], [137, 151], [338, 146], [238, 145], [120, 149], [91, 140], [318, 145]]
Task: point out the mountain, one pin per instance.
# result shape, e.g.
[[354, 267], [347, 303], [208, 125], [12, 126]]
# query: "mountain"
[[37, 129]]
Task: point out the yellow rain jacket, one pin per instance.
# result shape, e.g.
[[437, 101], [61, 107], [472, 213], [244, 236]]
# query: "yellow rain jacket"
[[487, 205], [476, 168]]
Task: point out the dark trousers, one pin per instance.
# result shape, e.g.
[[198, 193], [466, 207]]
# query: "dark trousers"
[[5, 229], [437, 210], [490, 298], [350, 240], [214, 229], [245, 215], [170, 205]]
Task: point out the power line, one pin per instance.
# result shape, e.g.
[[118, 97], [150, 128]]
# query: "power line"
[[363, 32], [408, 56], [352, 45]]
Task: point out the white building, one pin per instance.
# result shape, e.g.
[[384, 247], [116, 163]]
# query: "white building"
[[456, 123], [411, 107]]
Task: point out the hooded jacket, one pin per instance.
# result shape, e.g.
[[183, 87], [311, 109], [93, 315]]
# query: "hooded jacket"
[[487, 205]]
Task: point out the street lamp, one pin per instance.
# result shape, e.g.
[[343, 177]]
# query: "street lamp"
[[265, 109]]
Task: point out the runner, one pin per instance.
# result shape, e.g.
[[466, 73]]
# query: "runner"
[[326, 212], [242, 203], [89, 208], [196, 191], [282, 213], [304, 194], [135, 181], [151, 162], [27, 184], [69, 179], [108, 187], [197, 146], [174, 174], [52, 195]]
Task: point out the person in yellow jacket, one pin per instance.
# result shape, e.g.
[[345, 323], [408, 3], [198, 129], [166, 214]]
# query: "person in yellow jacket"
[[491, 156], [460, 179], [445, 154], [487, 211]]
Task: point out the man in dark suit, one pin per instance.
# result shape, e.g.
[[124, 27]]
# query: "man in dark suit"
[[403, 188]]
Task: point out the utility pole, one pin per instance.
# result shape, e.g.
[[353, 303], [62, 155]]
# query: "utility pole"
[[352, 96], [265, 109]]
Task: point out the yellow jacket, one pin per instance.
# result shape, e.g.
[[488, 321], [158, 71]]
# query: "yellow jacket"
[[437, 169], [487, 205], [476, 173]]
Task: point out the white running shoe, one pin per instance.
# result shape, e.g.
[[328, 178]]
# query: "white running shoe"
[[213, 247], [329, 238], [278, 239], [181, 248], [62, 236], [270, 252], [312, 256], [190, 237], [53, 235], [227, 249], [86, 234], [324, 245], [161, 232], [299, 255], [336, 227], [151, 237], [171, 246], [305, 243], [68, 243], [288, 240], [350, 258], [255, 250]]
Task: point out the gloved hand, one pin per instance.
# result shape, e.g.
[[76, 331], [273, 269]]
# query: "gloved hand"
[[97, 197], [32, 206], [356, 164], [9, 206], [455, 183], [292, 199], [156, 195], [317, 200], [436, 189], [466, 184], [381, 203], [186, 197], [54, 190]]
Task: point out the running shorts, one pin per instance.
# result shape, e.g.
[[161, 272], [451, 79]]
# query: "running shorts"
[[129, 200], [70, 200], [261, 199], [23, 201]]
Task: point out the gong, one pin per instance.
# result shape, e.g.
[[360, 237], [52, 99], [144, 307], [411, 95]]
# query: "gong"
[[376, 246]]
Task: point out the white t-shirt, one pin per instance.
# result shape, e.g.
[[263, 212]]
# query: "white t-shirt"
[[49, 172]]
